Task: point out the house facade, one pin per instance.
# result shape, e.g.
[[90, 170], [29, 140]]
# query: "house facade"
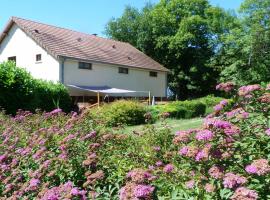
[[74, 58]]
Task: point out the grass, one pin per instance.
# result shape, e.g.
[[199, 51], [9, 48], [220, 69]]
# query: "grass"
[[174, 124]]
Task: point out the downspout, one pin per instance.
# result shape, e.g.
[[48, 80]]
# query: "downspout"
[[62, 67], [166, 88]]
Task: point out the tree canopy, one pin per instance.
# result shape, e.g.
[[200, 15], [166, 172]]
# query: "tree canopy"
[[199, 43]]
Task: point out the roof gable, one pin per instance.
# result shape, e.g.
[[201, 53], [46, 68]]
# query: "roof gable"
[[72, 44]]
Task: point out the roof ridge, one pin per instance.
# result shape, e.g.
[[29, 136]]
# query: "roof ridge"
[[68, 29]]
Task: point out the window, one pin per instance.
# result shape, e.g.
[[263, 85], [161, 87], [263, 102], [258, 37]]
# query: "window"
[[153, 74], [83, 65], [38, 57], [12, 58], [123, 70]]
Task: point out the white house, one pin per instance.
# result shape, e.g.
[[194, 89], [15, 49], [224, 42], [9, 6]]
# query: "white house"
[[81, 61]]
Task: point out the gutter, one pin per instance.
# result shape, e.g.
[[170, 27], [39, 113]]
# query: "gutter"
[[113, 64]]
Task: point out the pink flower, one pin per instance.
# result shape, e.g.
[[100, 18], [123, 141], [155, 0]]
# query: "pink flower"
[[25, 151], [245, 115], [244, 193], [168, 168], [159, 163], [234, 112], [182, 136], [143, 191], [204, 135], [56, 111], [90, 135], [224, 102], [246, 90], [63, 156], [33, 184], [201, 155], [234, 130], [3, 158], [69, 137], [216, 172], [259, 167], [217, 123], [227, 87], [190, 184], [209, 188], [136, 191], [267, 131], [75, 192], [232, 180], [139, 175], [218, 107], [9, 186], [251, 169], [156, 148], [183, 151]]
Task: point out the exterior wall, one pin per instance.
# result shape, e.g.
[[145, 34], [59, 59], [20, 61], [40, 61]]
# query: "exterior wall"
[[18, 44], [104, 74]]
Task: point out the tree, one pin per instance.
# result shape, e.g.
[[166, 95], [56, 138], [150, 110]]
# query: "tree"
[[200, 44], [178, 34], [125, 26], [247, 47]]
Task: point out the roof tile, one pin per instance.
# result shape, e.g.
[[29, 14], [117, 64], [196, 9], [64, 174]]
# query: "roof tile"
[[64, 42]]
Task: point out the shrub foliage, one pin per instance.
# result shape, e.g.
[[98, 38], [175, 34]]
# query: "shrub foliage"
[[57, 156], [121, 112], [20, 91]]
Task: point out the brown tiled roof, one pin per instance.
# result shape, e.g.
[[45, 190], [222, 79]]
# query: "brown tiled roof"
[[72, 44]]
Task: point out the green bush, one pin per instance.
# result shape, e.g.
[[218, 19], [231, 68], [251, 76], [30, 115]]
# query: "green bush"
[[19, 90], [189, 108], [122, 112], [210, 101], [183, 109]]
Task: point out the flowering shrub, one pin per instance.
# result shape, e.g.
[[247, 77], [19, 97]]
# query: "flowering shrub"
[[53, 155], [229, 155]]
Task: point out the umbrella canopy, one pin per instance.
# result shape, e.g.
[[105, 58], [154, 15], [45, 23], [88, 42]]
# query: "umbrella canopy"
[[104, 89]]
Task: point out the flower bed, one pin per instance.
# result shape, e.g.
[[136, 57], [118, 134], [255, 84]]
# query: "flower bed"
[[53, 155]]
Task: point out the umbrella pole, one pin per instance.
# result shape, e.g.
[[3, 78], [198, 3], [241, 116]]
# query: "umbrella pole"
[[98, 99], [149, 98]]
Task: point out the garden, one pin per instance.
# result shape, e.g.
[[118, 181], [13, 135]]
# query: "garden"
[[94, 155], [203, 147]]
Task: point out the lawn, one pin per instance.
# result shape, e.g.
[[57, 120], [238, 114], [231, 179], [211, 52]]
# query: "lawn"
[[174, 124]]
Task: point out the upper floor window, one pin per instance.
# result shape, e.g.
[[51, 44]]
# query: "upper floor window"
[[83, 65], [12, 58], [38, 57], [123, 70], [153, 74]]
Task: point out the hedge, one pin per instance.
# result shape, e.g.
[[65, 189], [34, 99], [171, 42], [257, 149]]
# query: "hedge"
[[183, 109], [189, 108], [19, 90]]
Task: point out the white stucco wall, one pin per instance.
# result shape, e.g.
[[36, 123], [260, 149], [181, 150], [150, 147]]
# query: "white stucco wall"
[[18, 44], [105, 74]]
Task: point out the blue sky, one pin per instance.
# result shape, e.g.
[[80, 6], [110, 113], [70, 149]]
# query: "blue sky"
[[89, 16]]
